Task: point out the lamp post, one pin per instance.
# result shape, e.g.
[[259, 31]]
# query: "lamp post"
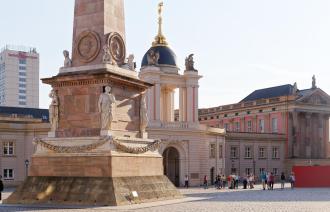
[[27, 162]]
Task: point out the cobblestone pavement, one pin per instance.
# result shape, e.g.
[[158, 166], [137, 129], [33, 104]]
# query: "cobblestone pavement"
[[198, 199]]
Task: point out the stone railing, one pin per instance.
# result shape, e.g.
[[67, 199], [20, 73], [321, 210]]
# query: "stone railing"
[[173, 125]]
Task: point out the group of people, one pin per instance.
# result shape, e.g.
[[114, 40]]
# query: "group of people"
[[232, 181]]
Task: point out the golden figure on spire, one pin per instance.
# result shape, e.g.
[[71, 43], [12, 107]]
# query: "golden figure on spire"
[[160, 39]]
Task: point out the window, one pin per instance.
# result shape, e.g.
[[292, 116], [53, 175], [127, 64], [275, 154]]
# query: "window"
[[22, 79], [212, 150], [237, 126], [22, 68], [261, 125], [275, 171], [21, 103], [275, 153], [233, 170], [22, 61], [21, 97], [249, 126], [233, 152], [22, 85], [248, 171], [8, 174], [8, 148], [220, 151], [21, 91], [274, 125], [262, 153], [226, 126], [248, 152], [22, 74]]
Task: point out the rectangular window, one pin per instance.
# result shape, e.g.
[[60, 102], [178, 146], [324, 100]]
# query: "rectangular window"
[[22, 68], [212, 150], [261, 170], [261, 125], [233, 152], [249, 126], [237, 126], [248, 152], [274, 125], [22, 79], [275, 171], [226, 126], [262, 153], [233, 171], [22, 61], [8, 174], [8, 148], [22, 85], [248, 171], [275, 153], [21, 91], [22, 74], [21, 103], [22, 97], [220, 151]]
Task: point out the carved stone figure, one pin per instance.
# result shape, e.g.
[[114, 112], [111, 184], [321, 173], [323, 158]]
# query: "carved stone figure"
[[53, 111], [295, 88], [314, 82], [67, 60], [190, 63], [107, 104], [143, 114], [152, 57], [131, 63], [106, 54]]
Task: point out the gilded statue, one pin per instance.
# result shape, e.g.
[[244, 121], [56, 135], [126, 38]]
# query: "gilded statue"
[[53, 111], [107, 104]]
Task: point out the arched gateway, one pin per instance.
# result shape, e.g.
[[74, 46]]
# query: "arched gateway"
[[171, 161]]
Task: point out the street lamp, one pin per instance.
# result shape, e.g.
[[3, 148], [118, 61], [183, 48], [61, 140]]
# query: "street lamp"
[[27, 162]]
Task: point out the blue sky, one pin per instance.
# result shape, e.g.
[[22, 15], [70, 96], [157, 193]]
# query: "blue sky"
[[239, 45]]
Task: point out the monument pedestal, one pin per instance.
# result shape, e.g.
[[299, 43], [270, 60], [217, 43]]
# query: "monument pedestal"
[[94, 171]]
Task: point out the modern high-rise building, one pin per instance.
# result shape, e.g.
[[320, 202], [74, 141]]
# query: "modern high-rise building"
[[19, 77]]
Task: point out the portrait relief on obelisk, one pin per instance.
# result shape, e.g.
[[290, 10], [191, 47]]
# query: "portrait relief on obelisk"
[[117, 48], [88, 45]]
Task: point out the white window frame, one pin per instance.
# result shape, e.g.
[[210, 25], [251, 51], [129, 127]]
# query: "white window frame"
[[274, 125], [7, 146], [249, 126], [234, 150], [212, 150], [248, 152], [261, 125], [6, 173], [275, 152], [264, 156]]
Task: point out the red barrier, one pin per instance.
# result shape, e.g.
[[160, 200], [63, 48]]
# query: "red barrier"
[[312, 176]]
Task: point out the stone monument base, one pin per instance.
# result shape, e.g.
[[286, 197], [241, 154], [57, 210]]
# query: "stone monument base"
[[98, 191]]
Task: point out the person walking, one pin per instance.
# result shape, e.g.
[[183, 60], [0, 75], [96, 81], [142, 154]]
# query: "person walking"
[[1, 187], [282, 180], [263, 178], [292, 180], [236, 181], [272, 180], [223, 178], [268, 180], [245, 182], [205, 182], [251, 181], [186, 181]]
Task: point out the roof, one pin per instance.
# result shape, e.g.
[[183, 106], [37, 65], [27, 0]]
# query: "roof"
[[34, 112], [166, 56], [282, 90]]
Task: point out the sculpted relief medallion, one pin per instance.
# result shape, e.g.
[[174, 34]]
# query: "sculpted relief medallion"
[[117, 48], [89, 45]]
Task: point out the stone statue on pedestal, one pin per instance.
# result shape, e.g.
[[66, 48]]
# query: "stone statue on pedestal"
[[107, 104], [106, 54], [153, 57], [314, 82], [67, 60], [53, 111], [131, 63], [190, 63], [143, 114]]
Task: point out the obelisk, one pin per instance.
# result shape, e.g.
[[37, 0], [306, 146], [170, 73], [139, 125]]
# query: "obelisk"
[[94, 21]]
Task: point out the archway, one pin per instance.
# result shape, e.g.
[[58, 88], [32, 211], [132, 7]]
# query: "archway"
[[171, 162]]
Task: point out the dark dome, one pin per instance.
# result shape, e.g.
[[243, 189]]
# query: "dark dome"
[[166, 56]]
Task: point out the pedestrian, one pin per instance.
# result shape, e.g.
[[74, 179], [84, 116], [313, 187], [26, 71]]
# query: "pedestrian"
[[205, 182], [223, 178], [272, 180], [245, 182], [1, 187], [263, 178], [236, 181], [251, 181], [292, 180], [219, 182], [282, 180], [229, 182], [268, 180], [186, 181]]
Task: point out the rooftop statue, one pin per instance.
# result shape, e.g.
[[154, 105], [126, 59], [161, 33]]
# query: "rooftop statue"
[[190, 63]]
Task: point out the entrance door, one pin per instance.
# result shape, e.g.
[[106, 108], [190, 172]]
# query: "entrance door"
[[212, 176], [171, 164]]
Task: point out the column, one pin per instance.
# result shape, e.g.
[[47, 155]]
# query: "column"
[[189, 103], [181, 105], [157, 99], [308, 150], [320, 147], [243, 125], [295, 146]]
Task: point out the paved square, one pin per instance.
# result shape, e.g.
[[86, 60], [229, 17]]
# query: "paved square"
[[199, 199]]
